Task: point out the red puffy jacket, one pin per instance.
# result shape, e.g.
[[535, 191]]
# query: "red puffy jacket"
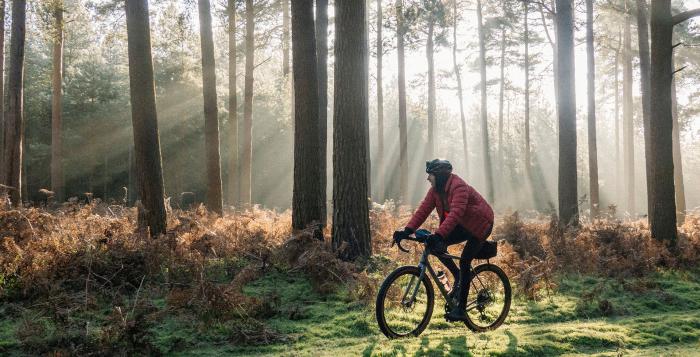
[[466, 208]]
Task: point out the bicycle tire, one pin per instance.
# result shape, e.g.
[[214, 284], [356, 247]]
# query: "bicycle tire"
[[384, 289], [507, 299]]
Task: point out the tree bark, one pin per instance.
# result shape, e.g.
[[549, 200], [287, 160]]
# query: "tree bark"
[[211, 111], [643, 37], [322, 58], [14, 120], [247, 147], [2, 87], [131, 195], [566, 104], [350, 116], [553, 44], [484, 116], [285, 37], [528, 160], [381, 185], [459, 87], [403, 132], [143, 116], [56, 105], [662, 220], [592, 141], [429, 52], [627, 114], [234, 169], [306, 198], [618, 163], [677, 158], [500, 106]]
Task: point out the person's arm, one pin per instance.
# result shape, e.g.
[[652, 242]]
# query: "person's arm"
[[458, 205], [422, 212]]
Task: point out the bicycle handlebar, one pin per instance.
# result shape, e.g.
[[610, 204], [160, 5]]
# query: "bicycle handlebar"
[[415, 239]]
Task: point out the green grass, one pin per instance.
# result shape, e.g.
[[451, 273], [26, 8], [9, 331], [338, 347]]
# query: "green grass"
[[655, 315]]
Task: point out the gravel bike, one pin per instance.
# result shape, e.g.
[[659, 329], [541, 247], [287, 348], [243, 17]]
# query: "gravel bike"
[[406, 297]]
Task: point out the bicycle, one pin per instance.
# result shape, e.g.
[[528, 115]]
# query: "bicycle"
[[404, 306]]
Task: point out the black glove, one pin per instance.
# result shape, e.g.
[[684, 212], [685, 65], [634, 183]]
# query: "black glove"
[[436, 244], [399, 235]]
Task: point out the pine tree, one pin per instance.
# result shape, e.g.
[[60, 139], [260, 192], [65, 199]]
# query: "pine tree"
[[350, 118], [144, 116]]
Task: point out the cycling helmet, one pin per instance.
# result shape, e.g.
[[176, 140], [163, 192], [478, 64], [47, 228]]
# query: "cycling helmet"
[[438, 166]]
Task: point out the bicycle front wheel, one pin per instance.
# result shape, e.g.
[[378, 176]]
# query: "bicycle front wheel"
[[489, 297], [404, 303]]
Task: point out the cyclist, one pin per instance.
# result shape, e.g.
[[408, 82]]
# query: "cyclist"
[[464, 216]]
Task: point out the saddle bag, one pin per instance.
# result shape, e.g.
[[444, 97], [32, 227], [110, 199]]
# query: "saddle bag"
[[488, 250]]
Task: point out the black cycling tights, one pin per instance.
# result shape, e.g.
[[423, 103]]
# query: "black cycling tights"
[[459, 235]]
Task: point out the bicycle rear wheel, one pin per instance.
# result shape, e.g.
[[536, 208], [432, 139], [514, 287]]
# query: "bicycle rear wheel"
[[488, 301], [404, 303]]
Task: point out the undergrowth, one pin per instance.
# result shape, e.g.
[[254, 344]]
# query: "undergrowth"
[[83, 279]]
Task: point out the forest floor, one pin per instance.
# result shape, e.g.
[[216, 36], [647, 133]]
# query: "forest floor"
[[658, 315], [83, 281]]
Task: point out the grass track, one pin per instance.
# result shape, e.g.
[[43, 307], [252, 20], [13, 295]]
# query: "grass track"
[[656, 315], [652, 316]]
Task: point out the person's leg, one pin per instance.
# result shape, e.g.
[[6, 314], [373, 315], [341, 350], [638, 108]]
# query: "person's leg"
[[457, 236], [470, 250]]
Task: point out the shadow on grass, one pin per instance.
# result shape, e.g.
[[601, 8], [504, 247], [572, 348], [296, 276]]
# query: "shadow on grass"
[[454, 346], [512, 343], [367, 352]]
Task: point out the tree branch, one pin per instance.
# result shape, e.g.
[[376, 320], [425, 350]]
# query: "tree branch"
[[544, 24], [678, 70], [685, 15], [541, 4]]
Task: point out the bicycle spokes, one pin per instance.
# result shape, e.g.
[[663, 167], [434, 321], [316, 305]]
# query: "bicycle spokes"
[[405, 304], [485, 299]]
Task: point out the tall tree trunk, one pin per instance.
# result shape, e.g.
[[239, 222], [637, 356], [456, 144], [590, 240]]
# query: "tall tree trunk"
[[247, 147], [211, 111], [322, 58], [459, 87], [618, 163], [56, 105], [368, 138], [592, 142], [285, 37], [143, 116], [627, 114], [528, 164], [14, 120], [131, 183], [500, 106], [662, 220], [552, 44], [643, 39], [429, 52], [307, 197], [350, 116], [2, 86], [234, 169], [677, 159], [381, 185], [566, 104], [484, 116], [403, 132]]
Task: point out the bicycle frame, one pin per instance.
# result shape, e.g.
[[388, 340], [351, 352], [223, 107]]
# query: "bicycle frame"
[[424, 265]]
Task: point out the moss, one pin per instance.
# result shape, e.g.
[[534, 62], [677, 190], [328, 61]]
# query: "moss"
[[655, 315]]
